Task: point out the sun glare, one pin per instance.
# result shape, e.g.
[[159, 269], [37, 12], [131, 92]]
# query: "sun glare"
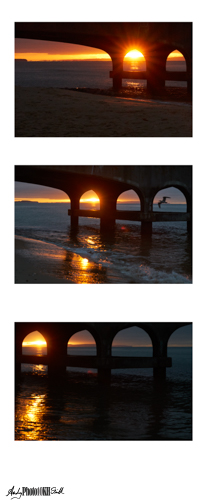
[[90, 200], [35, 342], [134, 54], [34, 339]]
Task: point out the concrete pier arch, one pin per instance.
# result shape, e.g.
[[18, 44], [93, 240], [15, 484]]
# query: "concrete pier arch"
[[176, 54], [35, 340], [174, 196], [129, 196], [90, 197], [181, 337], [81, 344], [132, 336]]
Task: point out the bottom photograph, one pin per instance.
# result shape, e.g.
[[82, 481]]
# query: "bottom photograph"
[[103, 381]]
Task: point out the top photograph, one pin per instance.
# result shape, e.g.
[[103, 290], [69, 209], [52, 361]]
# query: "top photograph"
[[94, 79]]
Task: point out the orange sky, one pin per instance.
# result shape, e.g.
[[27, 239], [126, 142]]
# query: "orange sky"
[[40, 50], [42, 194], [132, 336]]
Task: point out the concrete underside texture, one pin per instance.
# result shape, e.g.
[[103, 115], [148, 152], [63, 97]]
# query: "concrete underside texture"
[[109, 182], [155, 40], [57, 336]]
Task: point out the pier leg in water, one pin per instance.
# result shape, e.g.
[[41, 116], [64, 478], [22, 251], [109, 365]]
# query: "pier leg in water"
[[146, 228], [74, 218], [107, 208], [159, 374], [155, 73], [104, 376], [117, 71]]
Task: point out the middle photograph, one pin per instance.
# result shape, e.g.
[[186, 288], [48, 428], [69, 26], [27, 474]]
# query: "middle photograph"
[[103, 224]]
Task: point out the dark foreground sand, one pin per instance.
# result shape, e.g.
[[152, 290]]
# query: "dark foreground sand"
[[41, 112], [37, 262]]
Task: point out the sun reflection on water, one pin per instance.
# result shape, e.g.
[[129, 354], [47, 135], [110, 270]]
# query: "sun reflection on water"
[[30, 416]]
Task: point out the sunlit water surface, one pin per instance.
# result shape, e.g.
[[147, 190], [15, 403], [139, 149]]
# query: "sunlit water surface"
[[122, 257], [89, 74], [133, 407]]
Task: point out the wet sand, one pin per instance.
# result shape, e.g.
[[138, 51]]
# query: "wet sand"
[[37, 262], [43, 112]]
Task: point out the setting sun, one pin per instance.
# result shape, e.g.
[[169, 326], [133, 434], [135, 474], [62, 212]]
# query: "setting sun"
[[35, 342], [34, 339], [90, 200], [134, 54]]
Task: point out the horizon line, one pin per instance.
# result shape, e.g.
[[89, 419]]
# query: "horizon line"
[[48, 200]]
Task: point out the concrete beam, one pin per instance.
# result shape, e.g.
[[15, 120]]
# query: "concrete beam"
[[133, 215]]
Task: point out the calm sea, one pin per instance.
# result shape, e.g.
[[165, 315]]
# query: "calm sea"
[[90, 74], [133, 407], [124, 257]]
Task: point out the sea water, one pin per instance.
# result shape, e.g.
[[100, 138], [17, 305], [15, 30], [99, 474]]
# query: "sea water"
[[71, 74], [122, 257], [133, 407]]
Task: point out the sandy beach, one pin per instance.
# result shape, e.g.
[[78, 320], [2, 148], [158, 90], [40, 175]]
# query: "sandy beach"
[[38, 262], [43, 112]]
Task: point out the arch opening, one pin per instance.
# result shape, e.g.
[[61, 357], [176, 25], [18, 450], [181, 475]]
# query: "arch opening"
[[90, 200], [134, 61], [176, 62], [128, 200], [34, 50], [132, 341], [34, 344], [180, 350], [170, 199], [59, 63], [82, 344], [26, 193]]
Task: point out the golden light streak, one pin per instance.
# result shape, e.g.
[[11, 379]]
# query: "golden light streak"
[[34, 342], [44, 56], [176, 54], [90, 200], [44, 200], [75, 343], [54, 200]]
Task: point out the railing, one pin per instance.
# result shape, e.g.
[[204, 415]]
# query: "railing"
[[112, 362], [132, 215], [177, 76]]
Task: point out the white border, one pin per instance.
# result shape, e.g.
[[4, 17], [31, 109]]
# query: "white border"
[[105, 470]]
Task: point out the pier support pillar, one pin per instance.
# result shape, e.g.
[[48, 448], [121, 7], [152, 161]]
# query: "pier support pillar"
[[117, 62], [156, 73], [160, 351], [146, 228], [57, 357], [104, 375], [74, 218], [104, 354], [107, 207]]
